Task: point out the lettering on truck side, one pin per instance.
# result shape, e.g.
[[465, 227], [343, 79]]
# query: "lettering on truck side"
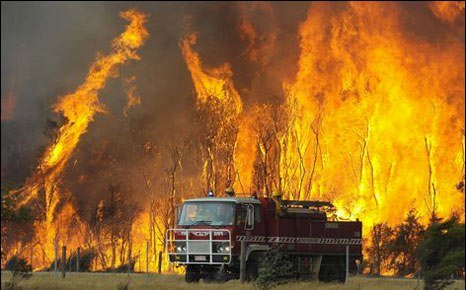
[[292, 240]]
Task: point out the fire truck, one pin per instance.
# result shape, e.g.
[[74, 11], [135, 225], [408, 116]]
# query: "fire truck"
[[220, 238]]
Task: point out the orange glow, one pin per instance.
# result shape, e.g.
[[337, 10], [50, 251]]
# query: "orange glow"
[[132, 94], [392, 110], [258, 28], [79, 109], [214, 85], [448, 11]]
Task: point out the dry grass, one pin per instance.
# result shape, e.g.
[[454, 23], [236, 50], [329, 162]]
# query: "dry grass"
[[42, 281]]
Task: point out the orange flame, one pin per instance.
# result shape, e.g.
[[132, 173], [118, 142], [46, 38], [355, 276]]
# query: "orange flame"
[[79, 109], [257, 27], [388, 110], [210, 84], [132, 94], [448, 11]]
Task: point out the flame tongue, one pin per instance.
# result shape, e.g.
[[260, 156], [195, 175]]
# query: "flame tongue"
[[80, 106], [79, 109], [214, 85]]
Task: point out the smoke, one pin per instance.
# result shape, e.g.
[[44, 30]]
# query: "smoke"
[[47, 50]]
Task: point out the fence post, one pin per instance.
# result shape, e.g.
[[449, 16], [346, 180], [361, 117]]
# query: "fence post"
[[160, 262], [77, 259], [147, 262], [242, 262], [71, 260], [347, 265], [55, 267]]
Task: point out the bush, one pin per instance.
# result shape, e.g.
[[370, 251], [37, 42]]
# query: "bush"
[[128, 267], [275, 269], [442, 252], [20, 271], [85, 262]]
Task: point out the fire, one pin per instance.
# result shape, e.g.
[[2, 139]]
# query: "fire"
[[448, 11], [373, 121], [221, 103], [79, 109], [132, 94], [388, 111], [373, 118], [211, 85], [258, 28]]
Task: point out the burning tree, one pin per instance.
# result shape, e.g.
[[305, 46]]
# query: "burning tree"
[[219, 106]]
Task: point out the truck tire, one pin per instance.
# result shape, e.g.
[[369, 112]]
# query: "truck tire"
[[253, 264], [332, 270], [192, 275], [252, 270]]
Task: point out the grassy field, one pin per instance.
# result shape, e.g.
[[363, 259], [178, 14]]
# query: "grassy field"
[[109, 281]]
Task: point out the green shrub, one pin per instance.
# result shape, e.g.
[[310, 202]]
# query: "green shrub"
[[276, 268]]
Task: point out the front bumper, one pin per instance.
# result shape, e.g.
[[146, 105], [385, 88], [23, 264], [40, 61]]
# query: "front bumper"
[[199, 246]]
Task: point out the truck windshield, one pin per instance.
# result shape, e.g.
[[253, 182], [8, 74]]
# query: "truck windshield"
[[207, 213]]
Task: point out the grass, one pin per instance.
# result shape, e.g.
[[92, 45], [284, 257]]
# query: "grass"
[[107, 281]]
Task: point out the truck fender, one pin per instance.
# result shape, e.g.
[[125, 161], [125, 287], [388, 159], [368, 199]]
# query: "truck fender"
[[255, 248]]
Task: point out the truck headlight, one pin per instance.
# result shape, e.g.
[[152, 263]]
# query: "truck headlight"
[[223, 248], [180, 248]]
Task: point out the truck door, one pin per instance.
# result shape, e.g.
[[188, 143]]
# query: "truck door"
[[248, 219]]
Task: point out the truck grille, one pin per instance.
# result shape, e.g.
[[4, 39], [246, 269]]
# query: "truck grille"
[[199, 247]]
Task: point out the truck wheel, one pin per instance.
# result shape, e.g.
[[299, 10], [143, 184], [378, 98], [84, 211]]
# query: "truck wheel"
[[252, 271], [192, 274], [332, 270]]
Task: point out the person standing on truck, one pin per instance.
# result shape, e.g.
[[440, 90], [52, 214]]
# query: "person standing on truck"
[[277, 198], [230, 192]]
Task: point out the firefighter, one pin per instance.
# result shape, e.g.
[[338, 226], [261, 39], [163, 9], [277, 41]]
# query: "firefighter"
[[277, 198], [230, 192]]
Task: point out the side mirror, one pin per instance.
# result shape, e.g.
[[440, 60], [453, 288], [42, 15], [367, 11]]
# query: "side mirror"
[[249, 217], [178, 212]]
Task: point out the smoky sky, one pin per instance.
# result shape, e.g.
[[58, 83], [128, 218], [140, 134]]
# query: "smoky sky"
[[48, 47]]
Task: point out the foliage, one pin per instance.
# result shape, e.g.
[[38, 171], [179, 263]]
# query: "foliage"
[[441, 252], [20, 271], [10, 210], [276, 269], [394, 248], [379, 249], [85, 261], [17, 221], [408, 236]]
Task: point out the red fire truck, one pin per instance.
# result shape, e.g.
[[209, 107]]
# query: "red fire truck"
[[211, 232]]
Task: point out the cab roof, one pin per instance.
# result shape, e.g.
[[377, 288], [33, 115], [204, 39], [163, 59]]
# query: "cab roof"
[[227, 199]]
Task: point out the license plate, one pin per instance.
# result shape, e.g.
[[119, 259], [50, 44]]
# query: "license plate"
[[200, 258]]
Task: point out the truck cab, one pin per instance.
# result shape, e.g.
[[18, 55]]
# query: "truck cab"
[[205, 237], [219, 238]]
